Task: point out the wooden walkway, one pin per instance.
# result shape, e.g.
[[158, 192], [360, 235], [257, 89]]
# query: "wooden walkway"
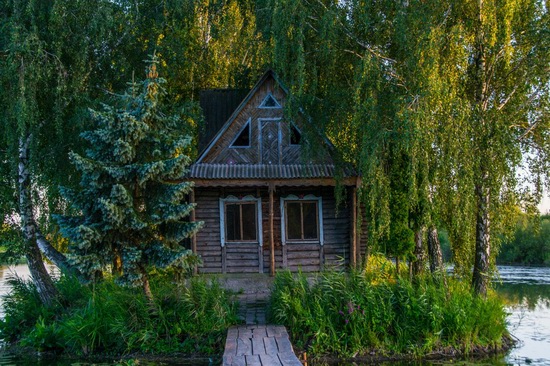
[[262, 345]]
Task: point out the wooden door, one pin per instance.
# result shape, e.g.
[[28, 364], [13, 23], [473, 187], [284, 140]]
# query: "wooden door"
[[270, 142]]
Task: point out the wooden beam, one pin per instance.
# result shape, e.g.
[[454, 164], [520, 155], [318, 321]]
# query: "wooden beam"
[[260, 259], [194, 237], [353, 246], [321, 258], [271, 233], [224, 257]]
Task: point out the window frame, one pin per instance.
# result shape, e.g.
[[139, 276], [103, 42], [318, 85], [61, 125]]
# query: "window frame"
[[293, 126], [276, 106], [249, 124], [284, 218], [240, 200]]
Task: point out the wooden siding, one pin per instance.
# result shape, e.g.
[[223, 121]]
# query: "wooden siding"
[[250, 257], [275, 150]]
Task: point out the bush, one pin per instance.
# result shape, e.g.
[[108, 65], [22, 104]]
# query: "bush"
[[530, 244], [108, 319], [349, 314]]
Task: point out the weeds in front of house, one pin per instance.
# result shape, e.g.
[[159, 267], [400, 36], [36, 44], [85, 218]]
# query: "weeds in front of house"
[[107, 319], [350, 314]]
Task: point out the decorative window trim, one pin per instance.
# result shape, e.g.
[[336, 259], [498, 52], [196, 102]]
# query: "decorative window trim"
[[233, 199], [249, 124], [308, 197], [279, 134], [269, 95]]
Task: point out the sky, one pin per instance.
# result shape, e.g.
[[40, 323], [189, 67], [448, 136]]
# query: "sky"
[[544, 206]]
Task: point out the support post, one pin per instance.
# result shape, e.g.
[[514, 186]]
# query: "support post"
[[353, 249], [194, 237], [271, 234]]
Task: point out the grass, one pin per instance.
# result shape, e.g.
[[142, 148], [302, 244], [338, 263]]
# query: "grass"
[[357, 314], [106, 319]]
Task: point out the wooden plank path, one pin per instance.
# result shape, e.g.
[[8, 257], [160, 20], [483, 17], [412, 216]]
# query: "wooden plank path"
[[262, 345]]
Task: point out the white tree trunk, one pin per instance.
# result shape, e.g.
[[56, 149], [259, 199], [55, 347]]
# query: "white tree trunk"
[[41, 278], [480, 278]]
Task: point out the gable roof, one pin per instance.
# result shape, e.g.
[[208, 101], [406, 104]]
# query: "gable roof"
[[219, 160]]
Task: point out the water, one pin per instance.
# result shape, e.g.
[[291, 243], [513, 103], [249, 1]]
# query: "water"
[[526, 290]]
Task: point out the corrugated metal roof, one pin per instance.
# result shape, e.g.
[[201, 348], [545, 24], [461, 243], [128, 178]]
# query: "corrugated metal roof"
[[260, 171]]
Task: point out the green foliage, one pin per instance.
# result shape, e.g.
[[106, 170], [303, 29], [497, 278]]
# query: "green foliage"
[[530, 243], [349, 314], [130, 208], [107, 319]]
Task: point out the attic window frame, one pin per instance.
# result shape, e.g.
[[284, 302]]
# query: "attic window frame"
[[291, 127], [249, 125], [276, 106]]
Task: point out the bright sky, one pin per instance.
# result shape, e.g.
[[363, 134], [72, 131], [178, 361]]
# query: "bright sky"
[[544, 206]]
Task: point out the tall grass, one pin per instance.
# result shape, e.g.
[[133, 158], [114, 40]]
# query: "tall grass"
[[107, 319], [350, 314]]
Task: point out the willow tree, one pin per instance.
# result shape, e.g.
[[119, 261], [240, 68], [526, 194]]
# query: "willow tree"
[[132, 212], [504, 92], [352, 69], [49, 50]]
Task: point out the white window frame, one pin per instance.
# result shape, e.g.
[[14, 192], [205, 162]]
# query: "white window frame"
[[276, 106], [308, 197], [234, 199]]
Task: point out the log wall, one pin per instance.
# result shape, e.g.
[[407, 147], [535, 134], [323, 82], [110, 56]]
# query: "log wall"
[[250, 257]]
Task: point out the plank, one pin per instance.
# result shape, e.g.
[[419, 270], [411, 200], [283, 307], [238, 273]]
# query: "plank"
[[241, 263], [253, 360], [276, 330], [234, 361], [258, 347], [289, 359], [244, 346], [270, 360], [283, 344], [270, 345]]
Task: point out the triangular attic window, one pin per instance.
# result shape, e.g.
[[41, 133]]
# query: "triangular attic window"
[[295, 135], [270, 102], [243, 140]]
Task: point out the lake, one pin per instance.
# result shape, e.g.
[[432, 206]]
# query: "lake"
[[526, 290]]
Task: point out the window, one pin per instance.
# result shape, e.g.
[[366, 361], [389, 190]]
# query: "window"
[[302, 219], [270, 102], [295, 135], [240, 219], [243, 139]]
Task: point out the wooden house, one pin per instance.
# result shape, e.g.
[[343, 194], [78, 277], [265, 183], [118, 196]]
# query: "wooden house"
[[264, 205]]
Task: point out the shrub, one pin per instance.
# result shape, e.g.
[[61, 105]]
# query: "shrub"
[[348, 314], [108, 319]]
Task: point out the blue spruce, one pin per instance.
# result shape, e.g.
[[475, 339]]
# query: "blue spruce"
[[131, 206]]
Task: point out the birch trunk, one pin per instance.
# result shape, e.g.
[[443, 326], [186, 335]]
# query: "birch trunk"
[[41, 278], [435, 256], [480, 278], [420, 258]]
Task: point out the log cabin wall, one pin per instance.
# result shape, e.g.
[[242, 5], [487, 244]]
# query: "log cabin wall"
[[253, 258]]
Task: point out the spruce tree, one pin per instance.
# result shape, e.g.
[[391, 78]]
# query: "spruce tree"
[[131, 206]]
